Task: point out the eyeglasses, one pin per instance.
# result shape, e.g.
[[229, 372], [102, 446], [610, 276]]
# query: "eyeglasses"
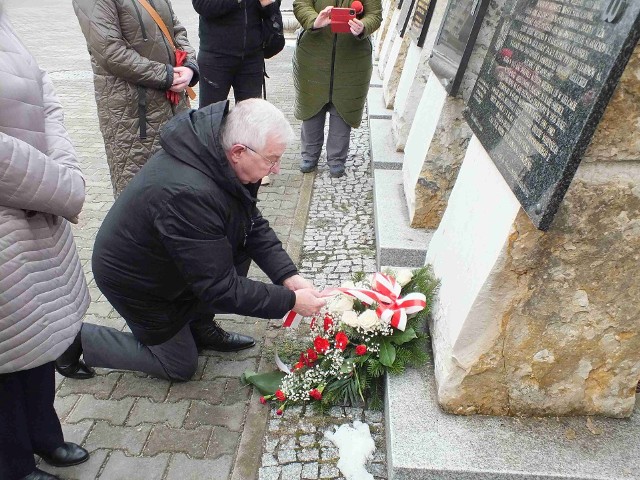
[[271, 163]]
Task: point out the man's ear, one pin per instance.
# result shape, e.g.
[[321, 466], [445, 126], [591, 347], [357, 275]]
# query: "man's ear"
[[236, 151]]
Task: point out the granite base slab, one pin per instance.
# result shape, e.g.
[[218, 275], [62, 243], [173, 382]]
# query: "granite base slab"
[[397, 244], [383, 151], [424, 443]]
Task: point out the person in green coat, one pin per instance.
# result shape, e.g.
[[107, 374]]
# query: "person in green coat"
[[331, 73]]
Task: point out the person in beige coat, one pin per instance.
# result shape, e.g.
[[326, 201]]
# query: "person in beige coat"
[[43, 293], [134, 67]]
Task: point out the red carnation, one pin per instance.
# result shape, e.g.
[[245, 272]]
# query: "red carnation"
[[328, 323], [316, 394], [280, 395], [263, 400], [341, 341], [279, 412], [298, 366], [312, 355], [313, 322], [361, 349], [321, 345]]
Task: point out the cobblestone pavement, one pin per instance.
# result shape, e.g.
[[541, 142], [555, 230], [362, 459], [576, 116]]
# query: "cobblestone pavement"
[[138, 427]]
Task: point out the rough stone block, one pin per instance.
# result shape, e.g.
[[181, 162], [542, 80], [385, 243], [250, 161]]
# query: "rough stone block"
[[99, 386], [129, 439], [223, 442]]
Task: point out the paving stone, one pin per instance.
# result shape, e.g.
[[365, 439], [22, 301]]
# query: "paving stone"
[[211, 391], [223, 441], [185, 468], [99, 386], [293, 470], [373, 416], [113, 411], [130, 385], [204, 414], [171, 414], [85, 471], [329, 471], [377, 469], [286, 455], [308, 454], [268, 460], [235, 391], [63, 405], [119, 466], [129, 439], [228, 368], [76, 432], [310, 471], [269, 473], [329, 453], [165, 439], [270, 444]]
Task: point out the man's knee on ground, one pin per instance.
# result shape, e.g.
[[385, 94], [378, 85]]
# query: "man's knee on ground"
[[182, 372]]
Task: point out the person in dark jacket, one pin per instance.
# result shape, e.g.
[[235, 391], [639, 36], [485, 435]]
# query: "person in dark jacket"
[[231, 47], [175, 257]]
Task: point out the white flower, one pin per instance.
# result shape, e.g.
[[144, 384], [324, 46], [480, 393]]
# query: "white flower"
[[348, 284], [340, 303], [403, 277], [350, 318], [368, 320]]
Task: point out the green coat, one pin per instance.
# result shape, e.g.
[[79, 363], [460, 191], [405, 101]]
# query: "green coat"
[[333, 67]]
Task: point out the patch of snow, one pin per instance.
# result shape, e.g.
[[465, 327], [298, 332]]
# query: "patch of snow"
[[356, 446]]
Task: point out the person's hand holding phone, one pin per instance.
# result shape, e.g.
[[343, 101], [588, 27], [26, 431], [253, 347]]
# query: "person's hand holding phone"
[[324, 18], [356, 26]]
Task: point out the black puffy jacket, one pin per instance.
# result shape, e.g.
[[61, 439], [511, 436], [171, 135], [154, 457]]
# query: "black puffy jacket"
[[232, 27], [179, 228]]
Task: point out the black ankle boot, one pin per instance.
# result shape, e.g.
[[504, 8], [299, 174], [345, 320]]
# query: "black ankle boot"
[[65, 456], [209, 335], [38, 474], [69, 364]]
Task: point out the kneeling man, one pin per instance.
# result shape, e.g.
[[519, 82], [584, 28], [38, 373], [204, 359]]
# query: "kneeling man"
[[175, 248]]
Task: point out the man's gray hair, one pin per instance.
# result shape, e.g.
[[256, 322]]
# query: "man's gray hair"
[[253, 121]]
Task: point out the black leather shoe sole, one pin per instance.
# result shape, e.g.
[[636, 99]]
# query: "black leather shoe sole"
[[79, 370]]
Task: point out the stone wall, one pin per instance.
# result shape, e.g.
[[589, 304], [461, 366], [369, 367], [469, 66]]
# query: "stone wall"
[[552, 327]]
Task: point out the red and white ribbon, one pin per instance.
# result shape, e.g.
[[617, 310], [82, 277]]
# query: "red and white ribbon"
[[385, 292]]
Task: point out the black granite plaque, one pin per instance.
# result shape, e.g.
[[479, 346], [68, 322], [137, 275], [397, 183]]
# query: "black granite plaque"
[[550, 71], [405, 15], [421, 19], [455, 41]]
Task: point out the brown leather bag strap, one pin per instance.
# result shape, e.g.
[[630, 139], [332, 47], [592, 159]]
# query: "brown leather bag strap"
[[152, 11], [156, 18]]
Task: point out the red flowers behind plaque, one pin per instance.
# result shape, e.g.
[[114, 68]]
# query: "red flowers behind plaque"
[[341, 341]]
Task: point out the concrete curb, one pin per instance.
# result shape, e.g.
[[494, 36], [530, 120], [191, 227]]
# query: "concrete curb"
[[249, 455]]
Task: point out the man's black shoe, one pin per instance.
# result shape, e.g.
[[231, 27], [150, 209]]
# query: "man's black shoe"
[[40, 475], [211, 336], [69, 364], [65, 456]]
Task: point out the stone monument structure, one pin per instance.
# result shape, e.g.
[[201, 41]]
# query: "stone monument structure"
[[538, 314]]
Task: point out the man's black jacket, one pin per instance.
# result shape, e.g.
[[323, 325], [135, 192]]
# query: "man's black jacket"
[[166, 250], [232, 27]]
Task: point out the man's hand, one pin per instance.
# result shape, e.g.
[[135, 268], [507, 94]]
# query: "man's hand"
[[297, 282], [308, 302], [181, 78], [324, 18]]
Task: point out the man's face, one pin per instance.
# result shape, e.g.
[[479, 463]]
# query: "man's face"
[[252, 164]]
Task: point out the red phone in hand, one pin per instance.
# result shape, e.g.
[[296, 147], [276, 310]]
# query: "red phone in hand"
[[340, 19]]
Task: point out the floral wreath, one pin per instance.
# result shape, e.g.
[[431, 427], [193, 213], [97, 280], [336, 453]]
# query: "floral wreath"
[[370, 327]]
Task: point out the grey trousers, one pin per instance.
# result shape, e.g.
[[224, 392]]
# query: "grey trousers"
[[312, 137], [176, 359]]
